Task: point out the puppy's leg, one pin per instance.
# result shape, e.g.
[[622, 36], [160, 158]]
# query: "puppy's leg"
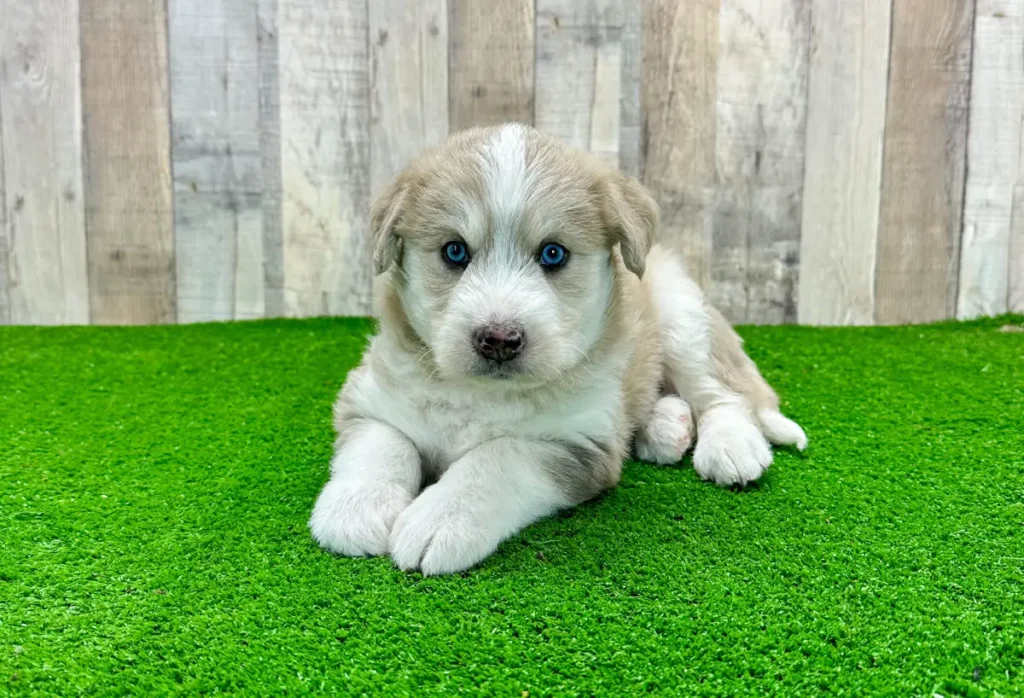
[[706, 364], [375, 474], [491, 493], [668, 433]]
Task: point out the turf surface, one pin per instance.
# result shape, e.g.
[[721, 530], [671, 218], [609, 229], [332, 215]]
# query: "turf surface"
[[155, 485]]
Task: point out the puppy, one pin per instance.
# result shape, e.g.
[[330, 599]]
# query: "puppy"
[[529, 335]]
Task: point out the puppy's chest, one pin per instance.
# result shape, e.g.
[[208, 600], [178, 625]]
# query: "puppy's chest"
[[445, 427], [444, 430]]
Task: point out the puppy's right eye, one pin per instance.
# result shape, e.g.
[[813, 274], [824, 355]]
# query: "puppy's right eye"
[[455, 253]]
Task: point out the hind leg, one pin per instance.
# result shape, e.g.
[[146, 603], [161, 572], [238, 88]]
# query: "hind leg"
[[668, 433], [706, 365]]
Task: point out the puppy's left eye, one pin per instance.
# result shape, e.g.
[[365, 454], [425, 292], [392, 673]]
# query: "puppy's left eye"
[[553, 255]]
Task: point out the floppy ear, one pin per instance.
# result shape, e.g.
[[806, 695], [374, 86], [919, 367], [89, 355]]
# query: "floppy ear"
[[632, 217], [387, 246]]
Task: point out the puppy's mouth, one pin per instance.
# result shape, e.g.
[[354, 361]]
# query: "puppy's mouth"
[[498, 370]]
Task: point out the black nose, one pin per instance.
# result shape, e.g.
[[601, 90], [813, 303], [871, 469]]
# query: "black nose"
[[496, 343]]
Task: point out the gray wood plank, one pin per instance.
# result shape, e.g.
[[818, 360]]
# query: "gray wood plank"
[[491, 66], [579, 72], [408, 83], [270, 154], [129, 215], [631, 117], [217, 160], [325, 131], [761, 111], [924, 161], [5, 298], [46, 269], [677, 141], [849, 61]]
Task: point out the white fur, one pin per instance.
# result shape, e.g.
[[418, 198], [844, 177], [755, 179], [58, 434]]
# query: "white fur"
[[781, 430], [495, 445], [374, 477], [668, 433], [730, 448], [486, 496]]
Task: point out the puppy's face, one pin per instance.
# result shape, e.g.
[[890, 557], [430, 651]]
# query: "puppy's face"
[[503, 239]]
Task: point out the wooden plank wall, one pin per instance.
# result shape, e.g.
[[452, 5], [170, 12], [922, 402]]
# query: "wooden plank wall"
[[816, 161]]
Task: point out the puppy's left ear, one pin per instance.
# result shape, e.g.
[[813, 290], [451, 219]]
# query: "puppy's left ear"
[[387, 245], [631, 215]]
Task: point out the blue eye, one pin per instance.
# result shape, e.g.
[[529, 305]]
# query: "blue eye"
[[455, 253], [553, 255]]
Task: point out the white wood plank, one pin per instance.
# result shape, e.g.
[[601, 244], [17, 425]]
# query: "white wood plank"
[[579, 72], [215, 148], [842, 177], [47, 277], [677, 144], [761, 111], [324, 92], [270, 153], [408, 84], [993, 157]]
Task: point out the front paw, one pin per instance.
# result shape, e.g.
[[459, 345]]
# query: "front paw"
[[440, 534], [355, 518], [730, 448]]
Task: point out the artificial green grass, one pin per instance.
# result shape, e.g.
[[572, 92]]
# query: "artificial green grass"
[[155, 485]]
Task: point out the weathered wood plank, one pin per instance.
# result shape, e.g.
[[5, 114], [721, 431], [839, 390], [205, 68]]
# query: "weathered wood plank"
[[270, 153], [408, 83], [324, 94], [924, 161], [677, 141], [5, 298], [128, 175], [40, 91], [849, 60], [993, 157], [631, 117], [215, 147], [579, 72], [761, 111], [491, 67]]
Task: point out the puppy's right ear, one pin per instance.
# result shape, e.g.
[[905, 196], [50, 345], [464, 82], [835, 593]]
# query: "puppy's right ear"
[[387, 245]]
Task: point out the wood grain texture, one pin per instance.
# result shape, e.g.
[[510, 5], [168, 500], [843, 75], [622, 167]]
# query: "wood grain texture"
[[846, 104], [677, 141], [325, 125], [5, 297], [579, 74], [924, 161], [215, 148], [993, 157], [491, 62], [408, 83], [128, 175], [761, 111], [41, 110], [270, 155], [630, 114]]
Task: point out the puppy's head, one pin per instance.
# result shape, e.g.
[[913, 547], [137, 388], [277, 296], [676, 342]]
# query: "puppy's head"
[[502, 247]]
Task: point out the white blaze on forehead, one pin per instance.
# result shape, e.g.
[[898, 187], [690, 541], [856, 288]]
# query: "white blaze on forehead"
[[504, 168]]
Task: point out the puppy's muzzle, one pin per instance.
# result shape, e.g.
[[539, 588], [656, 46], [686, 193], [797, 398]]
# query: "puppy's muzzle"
[[499, 343]]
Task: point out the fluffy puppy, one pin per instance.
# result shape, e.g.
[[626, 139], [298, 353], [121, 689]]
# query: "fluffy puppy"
[[529, 335]]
